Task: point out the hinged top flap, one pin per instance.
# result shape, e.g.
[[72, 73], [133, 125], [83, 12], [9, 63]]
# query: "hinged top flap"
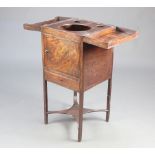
[[98, 34]]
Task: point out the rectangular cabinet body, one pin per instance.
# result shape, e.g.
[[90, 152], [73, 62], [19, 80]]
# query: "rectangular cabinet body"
[[76, 51], [61, 58]]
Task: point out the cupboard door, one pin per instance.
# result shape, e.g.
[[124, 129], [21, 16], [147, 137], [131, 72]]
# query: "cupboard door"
[[61, 55]]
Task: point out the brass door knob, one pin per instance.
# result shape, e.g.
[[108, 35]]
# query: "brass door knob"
[[46, 51]]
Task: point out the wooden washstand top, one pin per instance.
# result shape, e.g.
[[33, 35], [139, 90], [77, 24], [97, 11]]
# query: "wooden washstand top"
[[98, 34]]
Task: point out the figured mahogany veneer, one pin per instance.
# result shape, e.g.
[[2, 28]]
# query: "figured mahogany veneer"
[[78, 54]]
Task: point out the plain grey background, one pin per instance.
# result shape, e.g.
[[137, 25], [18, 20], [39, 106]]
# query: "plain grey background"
[[132, 121]]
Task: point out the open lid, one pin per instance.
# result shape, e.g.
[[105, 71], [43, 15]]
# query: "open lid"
[[98, 34]]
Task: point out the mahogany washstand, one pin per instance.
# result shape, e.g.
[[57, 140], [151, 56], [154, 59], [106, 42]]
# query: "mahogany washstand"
[[78, 54]]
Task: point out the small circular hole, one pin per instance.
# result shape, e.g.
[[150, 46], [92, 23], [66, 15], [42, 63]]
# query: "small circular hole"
[[100, 25], [76, 21]]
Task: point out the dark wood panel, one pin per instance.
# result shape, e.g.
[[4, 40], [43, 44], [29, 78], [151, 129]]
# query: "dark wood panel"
[[97, 65]]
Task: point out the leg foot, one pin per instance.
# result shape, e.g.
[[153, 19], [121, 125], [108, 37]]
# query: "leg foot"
[[45, 102], [108, 99], [81, 95]]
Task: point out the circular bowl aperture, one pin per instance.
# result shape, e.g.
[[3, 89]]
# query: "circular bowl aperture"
[[75, 27]]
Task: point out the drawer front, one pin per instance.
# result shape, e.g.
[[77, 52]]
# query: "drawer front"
[[61, 55]]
